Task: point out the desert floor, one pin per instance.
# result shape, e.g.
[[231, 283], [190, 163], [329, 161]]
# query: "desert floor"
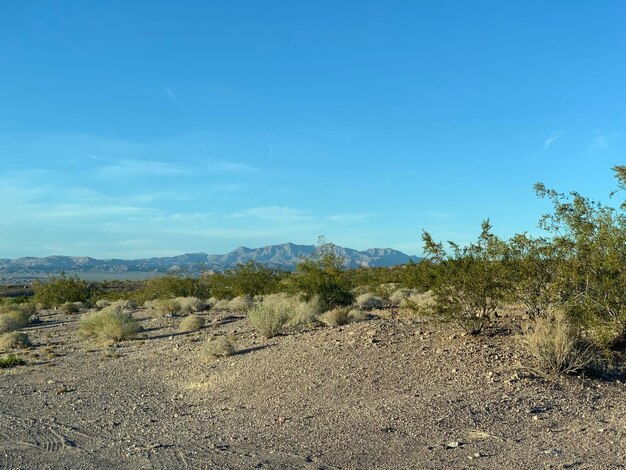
[[393, 392]]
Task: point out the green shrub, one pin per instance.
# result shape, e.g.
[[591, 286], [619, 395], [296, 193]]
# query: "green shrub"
[[58, 290], [14, 340], [270, 316], [321, 278], [192, 323], [166, 287], [11, 360], [472, 282], [109, 324], [251, 278]]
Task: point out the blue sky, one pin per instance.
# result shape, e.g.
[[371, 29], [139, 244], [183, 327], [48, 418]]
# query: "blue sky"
[[136, 129]]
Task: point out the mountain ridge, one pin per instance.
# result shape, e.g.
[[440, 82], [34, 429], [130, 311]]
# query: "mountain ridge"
[[282, 256]]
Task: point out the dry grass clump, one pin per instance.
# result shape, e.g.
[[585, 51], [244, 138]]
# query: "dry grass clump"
[[11, 360], [306, 313], [369, 301], [101, 303], [13, 319], [397, 296], [556, 346], [270, 316], [126, 304], [191, 304], [14, 340], [419, 301], [192, 323], [358, 315], [219, 347], [163, 307], [243, 303], [109, 324], [385, 290], [337, 317], [71, 307], [220, 304]]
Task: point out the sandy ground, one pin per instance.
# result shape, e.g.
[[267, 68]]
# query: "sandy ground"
[[387, 393]]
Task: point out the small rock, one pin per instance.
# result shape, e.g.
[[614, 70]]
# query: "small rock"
[[453, 444], [552, 452]]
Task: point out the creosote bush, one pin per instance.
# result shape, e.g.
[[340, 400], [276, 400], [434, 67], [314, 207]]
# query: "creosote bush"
[[556, 345], [109, 324], [192, 323], [14, 340], [58, 290], [11, 360], [472, 282]]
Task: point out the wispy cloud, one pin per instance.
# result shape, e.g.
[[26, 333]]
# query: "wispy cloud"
[[605, 141], [125, 168], [275, 213], [221, 166], [551, 139], [172, 96], [349, 218]]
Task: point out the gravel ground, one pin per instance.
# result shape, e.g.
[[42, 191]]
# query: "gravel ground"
[[390, 393]]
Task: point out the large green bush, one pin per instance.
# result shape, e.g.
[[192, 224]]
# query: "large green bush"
[[58, 290], [251, 278], [472, 281], [322, 279]]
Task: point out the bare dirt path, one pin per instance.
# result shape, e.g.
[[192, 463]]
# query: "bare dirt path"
[[387, 393]]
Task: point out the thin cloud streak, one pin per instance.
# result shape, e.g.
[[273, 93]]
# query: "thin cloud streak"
[[553, 138], [274, 213]]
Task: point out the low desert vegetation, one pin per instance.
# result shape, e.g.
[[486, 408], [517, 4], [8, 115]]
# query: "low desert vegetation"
[[58, 290], [557, 346], [71, 307], [337, 317], [323, 279], [192, 323], [14, 340], [241, 303], [11, 360], [219, 347], [13, 318], [190, 305], [247, 279], [270, 316], [369, 301], [164, 307], [111, 324]]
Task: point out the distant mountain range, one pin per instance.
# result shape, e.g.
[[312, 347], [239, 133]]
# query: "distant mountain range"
[[285, 256]]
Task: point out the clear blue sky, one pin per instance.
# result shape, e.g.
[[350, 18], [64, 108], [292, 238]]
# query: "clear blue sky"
[[133, 129]]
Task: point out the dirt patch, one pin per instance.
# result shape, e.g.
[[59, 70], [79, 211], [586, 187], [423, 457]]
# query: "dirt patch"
[[386, 393]]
